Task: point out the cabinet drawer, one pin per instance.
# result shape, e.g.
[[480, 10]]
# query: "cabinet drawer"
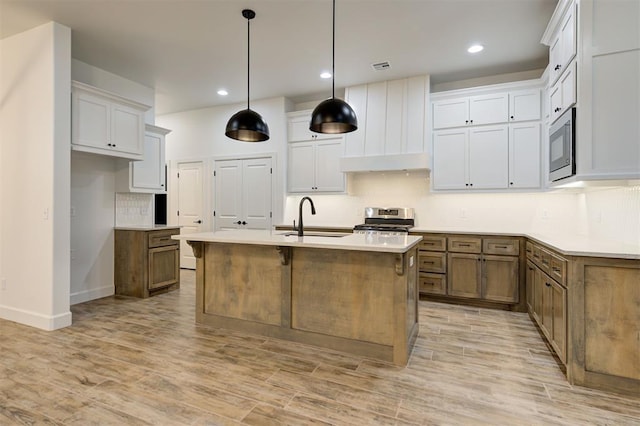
[[433, 243], [558, 269], [432, 262], [545, 261], [162, 238], [529, 250], [432, 283], [505, 246], [465, 244]]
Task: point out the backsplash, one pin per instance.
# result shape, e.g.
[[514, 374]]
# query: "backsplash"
[[612, 214], [133, 209]]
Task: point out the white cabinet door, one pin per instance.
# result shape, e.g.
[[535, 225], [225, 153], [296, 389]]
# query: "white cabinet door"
[[524, 155], [555, 59], [489, 109], [91, 121], [563, 94], [228, 194], [301, 167], [149, 174], [127, 129], [524, 105], [356, 97], [489, 157], [256, 193], [568, 38], [298, 127], [328, 176], [450, 113], [450, 159]]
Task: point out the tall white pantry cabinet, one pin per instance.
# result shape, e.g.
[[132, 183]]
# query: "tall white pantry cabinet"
[[487, 138]]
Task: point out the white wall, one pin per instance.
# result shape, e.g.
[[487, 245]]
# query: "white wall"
[[93, 186], [610, 214], [34, 176], [199, 134]]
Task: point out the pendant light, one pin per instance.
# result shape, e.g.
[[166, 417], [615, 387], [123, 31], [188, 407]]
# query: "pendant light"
[[333, 115], [247, 125]]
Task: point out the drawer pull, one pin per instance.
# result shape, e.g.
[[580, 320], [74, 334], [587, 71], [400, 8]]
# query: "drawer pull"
[[464, 245], [555, 269], [165, 239], [547, 284], [502, 247], [429, 243], [545, 263]]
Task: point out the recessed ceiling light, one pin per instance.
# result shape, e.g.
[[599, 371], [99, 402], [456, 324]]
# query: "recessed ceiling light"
[[475, 48], [222, 92], [325, 74]]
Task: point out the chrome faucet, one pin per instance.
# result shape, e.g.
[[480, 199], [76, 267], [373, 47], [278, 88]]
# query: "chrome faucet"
[[300, 227]]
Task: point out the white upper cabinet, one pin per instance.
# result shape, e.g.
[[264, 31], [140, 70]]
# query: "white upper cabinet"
[[490, 108], [471, 159], [313, 164], [391, 117], [494, 140], [147, 175], [298, 127], [563, 44], [524, 105], [562, 94], [524, 155], [104, 123]]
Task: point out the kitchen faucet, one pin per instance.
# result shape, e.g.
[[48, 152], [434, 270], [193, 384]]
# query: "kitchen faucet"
[[300, 227]]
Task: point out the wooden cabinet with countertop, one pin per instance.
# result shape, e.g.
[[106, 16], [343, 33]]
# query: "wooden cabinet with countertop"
[[147, 261], [474, 269]]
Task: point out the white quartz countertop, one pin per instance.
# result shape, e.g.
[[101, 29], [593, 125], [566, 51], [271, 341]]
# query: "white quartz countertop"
[[145, 227], [360, 242], [569, 245]]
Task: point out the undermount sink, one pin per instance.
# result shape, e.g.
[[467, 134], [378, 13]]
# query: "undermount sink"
[[316, 234]]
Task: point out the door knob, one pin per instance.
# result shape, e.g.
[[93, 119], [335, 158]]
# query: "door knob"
[[197, 221]]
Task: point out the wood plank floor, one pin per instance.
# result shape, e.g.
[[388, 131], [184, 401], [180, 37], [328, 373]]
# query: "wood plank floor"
[[132, 361]]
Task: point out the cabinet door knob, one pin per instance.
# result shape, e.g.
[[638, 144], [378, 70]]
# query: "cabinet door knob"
[[557, 67], [471, 121], [512, 117], [238, 223], [547, 284], [197, 221], [470, 184], [510, 183], [244, 223], [466, 121]]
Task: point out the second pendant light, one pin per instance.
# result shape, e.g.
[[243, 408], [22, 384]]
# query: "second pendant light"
[[333, 115]]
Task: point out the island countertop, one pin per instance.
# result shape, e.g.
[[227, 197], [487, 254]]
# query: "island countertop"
[[360, 242]]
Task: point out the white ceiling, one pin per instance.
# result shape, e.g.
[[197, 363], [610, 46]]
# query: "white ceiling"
[[188, 49]]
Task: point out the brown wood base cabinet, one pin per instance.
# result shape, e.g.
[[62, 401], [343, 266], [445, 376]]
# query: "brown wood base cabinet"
[[147, 262], [485, 268]]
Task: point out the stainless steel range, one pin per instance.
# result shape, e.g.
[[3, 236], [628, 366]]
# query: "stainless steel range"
[[386, 221]]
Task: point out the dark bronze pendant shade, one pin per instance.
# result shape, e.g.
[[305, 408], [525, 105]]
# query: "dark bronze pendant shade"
[[247, 125], [333, 115]]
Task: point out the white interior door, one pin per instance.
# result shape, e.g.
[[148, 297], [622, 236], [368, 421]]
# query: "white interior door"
[[228, 194], [256, 193], [190, 206]]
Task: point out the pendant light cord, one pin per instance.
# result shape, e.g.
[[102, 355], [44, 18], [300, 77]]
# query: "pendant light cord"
[[333, 54], [248, 57]]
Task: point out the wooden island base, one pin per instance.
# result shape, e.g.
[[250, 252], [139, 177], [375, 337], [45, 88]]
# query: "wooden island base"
[[360, 302]]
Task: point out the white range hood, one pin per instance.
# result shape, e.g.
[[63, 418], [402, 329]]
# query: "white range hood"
[[380, 163]]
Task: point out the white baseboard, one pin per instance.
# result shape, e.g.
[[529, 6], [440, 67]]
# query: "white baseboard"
[[34, 319], [94, 293]]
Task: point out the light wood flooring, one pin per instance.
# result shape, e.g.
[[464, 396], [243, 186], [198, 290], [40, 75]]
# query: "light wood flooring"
[[131, 361]]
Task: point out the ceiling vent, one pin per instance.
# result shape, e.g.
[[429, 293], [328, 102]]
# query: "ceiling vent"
[[381, 66]]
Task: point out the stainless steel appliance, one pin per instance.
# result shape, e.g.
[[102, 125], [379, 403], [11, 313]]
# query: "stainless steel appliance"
[[386, 221], [562, 144]]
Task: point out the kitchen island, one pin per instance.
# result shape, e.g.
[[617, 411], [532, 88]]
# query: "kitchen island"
[[348, 292]]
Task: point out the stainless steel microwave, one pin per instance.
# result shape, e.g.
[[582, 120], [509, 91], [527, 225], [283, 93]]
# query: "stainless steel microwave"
[[562, 146]]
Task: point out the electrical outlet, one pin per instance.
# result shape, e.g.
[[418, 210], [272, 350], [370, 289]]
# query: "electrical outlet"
[[545, 214], [463, 213], [3, 284]]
